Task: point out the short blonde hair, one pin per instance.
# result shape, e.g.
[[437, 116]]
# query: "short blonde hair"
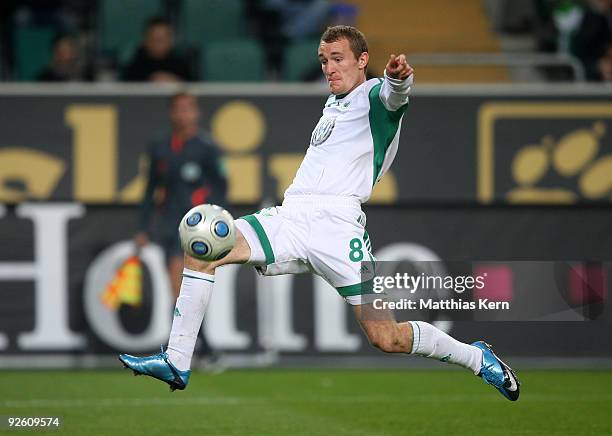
[[356, 39]]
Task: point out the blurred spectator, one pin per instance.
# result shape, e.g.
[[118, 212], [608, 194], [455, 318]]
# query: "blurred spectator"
[[62, 16], [594, 38], [604, 65], [65, 64], [301, 18], [156, 59], [582, 29], [277, 22], [266, 24], [567, 15], [558, 22]]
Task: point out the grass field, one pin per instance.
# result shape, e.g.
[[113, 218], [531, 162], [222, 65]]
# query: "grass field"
[[292, 402]]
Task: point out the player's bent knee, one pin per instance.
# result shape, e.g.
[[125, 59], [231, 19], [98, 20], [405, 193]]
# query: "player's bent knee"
[[386, 344], [382, 341], [387, 338]]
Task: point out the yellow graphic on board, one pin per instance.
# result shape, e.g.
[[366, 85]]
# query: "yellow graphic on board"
[[28, 174], [577, 155], [529, 166]]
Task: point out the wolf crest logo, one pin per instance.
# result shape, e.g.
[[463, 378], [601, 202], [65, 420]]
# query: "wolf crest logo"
[[322, 131]]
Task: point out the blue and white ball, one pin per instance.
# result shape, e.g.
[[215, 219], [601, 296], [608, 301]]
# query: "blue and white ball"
[[207, 232]]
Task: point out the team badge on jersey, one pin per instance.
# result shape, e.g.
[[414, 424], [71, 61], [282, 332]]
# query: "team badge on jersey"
[[322, 130], [190, 172]]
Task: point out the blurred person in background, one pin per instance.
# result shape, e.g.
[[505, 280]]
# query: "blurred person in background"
[[580, 29], [61, 16], [156, 59], [558, 20], [593, 41], [604, 65], [278, 22], [185, 169], [301, 18], [66, 64]]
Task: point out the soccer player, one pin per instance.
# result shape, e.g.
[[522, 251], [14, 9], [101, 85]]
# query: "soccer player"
[[320, 226]]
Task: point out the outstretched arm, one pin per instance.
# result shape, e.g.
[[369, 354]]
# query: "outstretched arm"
[[397, 84]]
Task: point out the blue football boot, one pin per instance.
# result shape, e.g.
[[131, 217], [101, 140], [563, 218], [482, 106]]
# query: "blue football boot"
[[157, 366], [495, 372]]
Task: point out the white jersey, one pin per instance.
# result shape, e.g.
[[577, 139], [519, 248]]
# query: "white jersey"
[[355, 141]]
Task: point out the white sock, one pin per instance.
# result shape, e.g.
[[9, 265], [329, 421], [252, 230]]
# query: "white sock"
[[429, 341], [196, 290]]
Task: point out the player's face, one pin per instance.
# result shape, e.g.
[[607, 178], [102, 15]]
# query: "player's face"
[[343, 71], [184, 112]]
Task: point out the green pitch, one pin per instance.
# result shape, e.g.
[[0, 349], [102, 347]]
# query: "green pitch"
[[296, 402]]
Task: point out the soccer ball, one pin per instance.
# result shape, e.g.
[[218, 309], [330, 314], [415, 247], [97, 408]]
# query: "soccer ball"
[[207, 232]]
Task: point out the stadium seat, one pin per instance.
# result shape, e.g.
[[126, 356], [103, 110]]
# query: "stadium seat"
[[127, 52], [233, 61], [211, 20], [300, 60], [433, 26], [122, 22], [33, 50]]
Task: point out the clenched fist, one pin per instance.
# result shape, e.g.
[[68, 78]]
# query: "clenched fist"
[[398, 68]]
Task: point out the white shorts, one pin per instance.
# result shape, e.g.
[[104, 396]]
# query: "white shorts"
[[324, 235]]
